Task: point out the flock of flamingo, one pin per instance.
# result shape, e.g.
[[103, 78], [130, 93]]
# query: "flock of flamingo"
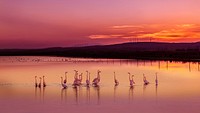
[[40, 83], [78, 80]]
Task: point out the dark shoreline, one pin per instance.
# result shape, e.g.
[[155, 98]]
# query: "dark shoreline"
[[186, 52]]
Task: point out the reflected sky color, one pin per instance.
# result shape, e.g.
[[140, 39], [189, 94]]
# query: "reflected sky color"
[[178, 85], [47, 23]]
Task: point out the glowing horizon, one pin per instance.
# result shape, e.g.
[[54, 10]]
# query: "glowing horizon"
[[50, 23]]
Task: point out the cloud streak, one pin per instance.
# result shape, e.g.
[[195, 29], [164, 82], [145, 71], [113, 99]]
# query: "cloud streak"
[[126, 26]]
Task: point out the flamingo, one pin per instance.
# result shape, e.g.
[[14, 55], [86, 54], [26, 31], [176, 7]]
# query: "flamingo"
[[64, 85], [76, 73], [131, 79], [88, 78], [97, 79], [80, 78], [76, 79], [65, 81], [36, 85], [44, 84], [145, 80], [115, 80], [156, 79], [39, 85]]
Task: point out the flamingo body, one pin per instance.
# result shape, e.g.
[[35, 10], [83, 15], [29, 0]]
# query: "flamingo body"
[[115, 80], [44, 83], [145, 80], [39, 85], [64, 85], [65, 81]]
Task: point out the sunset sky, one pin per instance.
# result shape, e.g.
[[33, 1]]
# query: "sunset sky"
[[50, 23]]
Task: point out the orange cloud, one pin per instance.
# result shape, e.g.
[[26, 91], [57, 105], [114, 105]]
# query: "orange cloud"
[[157, 32], [177, 32]]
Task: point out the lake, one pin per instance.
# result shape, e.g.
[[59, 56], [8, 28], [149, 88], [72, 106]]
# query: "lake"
[[178, 89]]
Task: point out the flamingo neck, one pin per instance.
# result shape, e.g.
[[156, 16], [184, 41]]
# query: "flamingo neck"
[[98, 76], [144, 78], [61, 80], [43, 80], [35, 80]]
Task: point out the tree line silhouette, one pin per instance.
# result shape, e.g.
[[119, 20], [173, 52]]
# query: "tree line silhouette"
[[134, 50]]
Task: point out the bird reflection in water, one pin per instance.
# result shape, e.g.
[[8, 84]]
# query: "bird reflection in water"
[[36, 93], [64, 94], [97, 89], [131, 93], [41, 93], [75, 89], [144, 89], [156, 91], [88, 94], [115, 88]]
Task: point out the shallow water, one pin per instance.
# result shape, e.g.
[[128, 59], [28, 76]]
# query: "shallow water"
[[178, 90]]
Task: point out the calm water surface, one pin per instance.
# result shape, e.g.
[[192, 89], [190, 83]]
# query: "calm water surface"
[[178, 90]]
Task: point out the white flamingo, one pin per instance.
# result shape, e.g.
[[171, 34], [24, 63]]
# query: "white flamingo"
[[44, 83], [76, 74], [76, 79], [97, 79], [87, 78], [131, 79], [145, 80], [115, 80], [64, 85], [65, 80], [156, 79], [80, 78]]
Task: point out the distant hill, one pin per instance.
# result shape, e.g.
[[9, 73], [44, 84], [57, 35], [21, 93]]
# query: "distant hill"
[[139, 50]]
